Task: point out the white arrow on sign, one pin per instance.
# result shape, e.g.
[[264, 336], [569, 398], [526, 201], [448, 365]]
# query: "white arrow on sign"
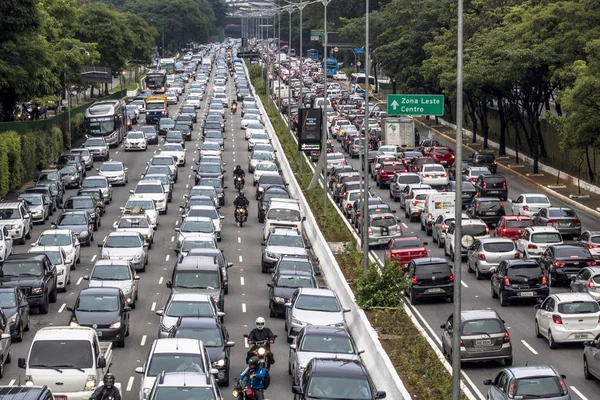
[[395, 105]]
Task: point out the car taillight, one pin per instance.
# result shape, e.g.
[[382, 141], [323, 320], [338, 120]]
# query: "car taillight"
[[344, 162], [577, 222], [503, 185], [551, 222], [591, 284], [472, 179], [370, 230], [398, 228], [591, 263], [557, 319], [425, 176], [558, 264], [506, 282], [525, 208], [485, 185], [443, 226], [481, 257], [462, 344], [511, 390], [506, 337], [532, 246], [544, 280], [487, 230], [414, 280], [593, 246], [563, 386], [339, 185], [444, 175], [517, 255], [429, 216], [415, 202]]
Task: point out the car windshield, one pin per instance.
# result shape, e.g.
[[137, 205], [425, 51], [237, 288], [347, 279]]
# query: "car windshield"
[[295, 281], [561, 213], [210, 192], [284, 215], [210, 168], [262, 155], [579, 307], [22, 268], [139, 204], [94, 183], [519, 223], [172, 147], [539, 387], [475, 229], [327, 344], [195, 309], [97, 303], [122, 242], [158, 170], [209, 213], [32, 200], [338, 387], [407, 244], [190, 244], [149, 189], [572, 252], [177, 362], [185, 392], [537, 200], [197, 279], [211, 337], [78, 204], [286, 240], [164, 179], [64, 353], [7, 299], [482, 326], [49, 176], [259, 136], [133, 223], [499, 247], [111, 273], [479, 171], [72, 219], [197, 226], [278, 195], [162, 161], [489, 206], [95, 143], [213, 135], [174, 135], [484, 158], [111, 167], [383, 222], [69, 169], [524, 270], [135, 135], [318, 303], [255, 125], [295, 265], [211, 146], [266, 166], [546, 237]]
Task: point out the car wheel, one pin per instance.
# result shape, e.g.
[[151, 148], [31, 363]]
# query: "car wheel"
[[478, 275], [551, 343], [551, 280], [493, 292], [586, 370], [503, 301], [413, 299], [536, 327], [508, 362], [54, 295], [469, 269], [19, 337], [43, 309]]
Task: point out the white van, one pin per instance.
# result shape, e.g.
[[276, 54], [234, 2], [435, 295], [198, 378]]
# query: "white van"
[[436, 203], [282, 213], [320, 102]]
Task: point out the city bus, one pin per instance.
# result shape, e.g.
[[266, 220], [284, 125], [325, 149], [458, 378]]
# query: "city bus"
[[313, 54], [168, 64], [332, 66], [106, 119], [357, 82], [157, 81]]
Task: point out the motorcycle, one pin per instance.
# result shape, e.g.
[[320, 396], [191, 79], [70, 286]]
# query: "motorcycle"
[[233, 108], [240, 216], [243, 392], [261, 350], [239, 183]]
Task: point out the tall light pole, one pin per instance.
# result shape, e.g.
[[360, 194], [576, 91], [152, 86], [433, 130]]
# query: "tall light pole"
[[290, 10], [278, 52], [365, 202], [458, 211], [300, 6], [163, 35]]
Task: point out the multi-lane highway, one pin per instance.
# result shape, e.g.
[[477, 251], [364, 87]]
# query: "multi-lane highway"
[[248, 291]]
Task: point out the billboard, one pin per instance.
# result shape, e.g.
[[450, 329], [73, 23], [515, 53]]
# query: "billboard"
[[309, 138]]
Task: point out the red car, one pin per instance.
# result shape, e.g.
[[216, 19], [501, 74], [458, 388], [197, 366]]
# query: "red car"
[[442, 155], [512, 226], [387, 171], [417, 163], [405, 249]]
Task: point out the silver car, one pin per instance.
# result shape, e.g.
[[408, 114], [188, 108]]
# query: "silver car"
[[587, 281], [180, 304], [528, 382], [195, 226], [115, 273], [484, 256], [128, 246], [98, 147], [279, 242], [99, 182], [483, 337], [320, 342], [115, 172], [206, 211], [309, 306], [87, 157]]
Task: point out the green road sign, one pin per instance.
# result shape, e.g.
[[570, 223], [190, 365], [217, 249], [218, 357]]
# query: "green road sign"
[[314, 32], [415, 104]]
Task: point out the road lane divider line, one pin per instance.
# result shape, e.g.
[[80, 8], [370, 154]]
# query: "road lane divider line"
[[130, 383], [463, 283], [172, 239], [246, 345], [578, 393], [404, 225], [115, 224], [242, 281], [239, 240], [243, 307], [167, 257], [160, 281], [12, 382], [531, 349], [153, 306], [241, 259], [79, 280], [143, 342], [62, 308], [94, 257], [176, 222]]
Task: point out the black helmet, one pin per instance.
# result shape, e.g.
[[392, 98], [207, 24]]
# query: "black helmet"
[[238, 167], [109, 380], [253, 362], [241, 194]]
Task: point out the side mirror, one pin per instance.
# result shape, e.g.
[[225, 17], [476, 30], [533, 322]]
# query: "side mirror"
[[70, 308], [288, 305], [488, 382], [139, 370], [160, 313], [131, 191], [360, 351], [297, 390], [101, 362], [426, 243], [100, 245], [587, 344], [222, 217], [21, 362], [53, 225], [308, 247], [229, 344], [537, 306], [169, 284], [380, 394], [270, 285], [293, 347], [346, 310], [573, 278], [5, 336], [177, 229], [220, 314], [263, 244], [229, 265], [443, 326], [86, 278]]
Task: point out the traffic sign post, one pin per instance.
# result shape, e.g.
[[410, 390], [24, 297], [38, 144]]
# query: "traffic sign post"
[[415, 104], [358, 50]]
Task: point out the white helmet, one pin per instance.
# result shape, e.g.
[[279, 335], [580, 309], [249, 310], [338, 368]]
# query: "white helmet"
[[260, 323]]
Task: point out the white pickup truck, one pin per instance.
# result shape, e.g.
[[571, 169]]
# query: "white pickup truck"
[[71, 361]]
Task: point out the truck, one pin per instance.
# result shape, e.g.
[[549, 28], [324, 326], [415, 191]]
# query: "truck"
[[207, 61], [399, 132], [70, 360], [157, 107]]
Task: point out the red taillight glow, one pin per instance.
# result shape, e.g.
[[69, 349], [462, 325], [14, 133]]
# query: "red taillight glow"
[[425, 175], [398, 228], [481, 257], [370, 230], [577, 222], [532, 246], [591, 263], [443, 226], [415, 202], [551, 222], [558, 264], [506, 337], [414, 280], [485, 185], [593, 246], [557, 319], [451, 277], [591, 284], [429, 216], [525, 208], [544, 280], [444, 175], [517, 255], [506, 282], [503, 185]]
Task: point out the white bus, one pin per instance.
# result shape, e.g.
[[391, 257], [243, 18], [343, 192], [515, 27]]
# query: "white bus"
[[106, 119], [167, 64], [357, 82]]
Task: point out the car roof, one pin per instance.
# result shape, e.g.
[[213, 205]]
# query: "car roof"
[[470, 315], [430, 260], [326, 330], [337, 367], [540, 229], [56, 232], [532, 371], [285, 232], [574, 296], [194, 297], [176, 345], [100, 291], [123, 233], [317, 292], [510, 263], [495, 240]]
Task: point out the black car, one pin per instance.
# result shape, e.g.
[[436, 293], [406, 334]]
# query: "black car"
[[564, 219], [487, 209], [35, 275], [562, 262], [215, 337], [492, 186], [485, 159], [273, 192], [267, 181], [97, 195], [191, 111], [14, 304], [468, 191], [184, 127], [71, 177], [336, 379], [71, 159], [106, 310], [283, 285], [56, 190], [346, 185], [218, 257], [519, 280], [185, 119], [211, 126], [165, 125], [288, 263], [150, 132], [217, 183], [174, 136], [431, 278], [209, 170], [84, 203], [25, 393]]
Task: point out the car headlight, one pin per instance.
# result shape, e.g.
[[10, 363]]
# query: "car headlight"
[[301, 368], [116, 325], [272, 255], [83, 234], [126, 289], [37, 290], [74, 324], [9, 226], [145, 393], [261, 189], [298, 322], [179, 241], [280, 300], [164, 328], [137, 257], [216, 299], [60, 272], [104, 256], [219, 363], [13, 319], [36, 213], [90, 384]]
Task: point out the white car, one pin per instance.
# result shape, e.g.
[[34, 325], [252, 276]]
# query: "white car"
[[209, 148], [6, 243], [65, 239], [414, 205], [390, 150], [152, 190], [471, 229], [340, 76], [58, 258], [193, 99], [129, 246], [174, 150], [136, 140], [206, 211], [140, 222], [257, 137], [254, 127], [529, 204], [434, 175], [140, 104], [536, 239], [197, 242], [136, 204], [172, 98], [265, 168], [249, 118], [165, 160], [114, 171], [223, 98], [567, 318], [195, 226]]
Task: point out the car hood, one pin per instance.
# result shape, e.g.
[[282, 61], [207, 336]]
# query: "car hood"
[[319, 317], [97, 318], [9, 311], [215, 353], [127, 252], [136, 140], [36, 208], [102, 283], [111, 174], [284, 292], [10, 222], [297, 251], [18, 281]]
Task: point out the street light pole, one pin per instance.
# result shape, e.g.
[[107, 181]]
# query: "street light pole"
[[279, 11], [365, 202], [290, 10], [458, 211], [324, 133]]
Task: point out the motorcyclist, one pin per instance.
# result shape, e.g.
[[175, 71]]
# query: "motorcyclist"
[[238, 171], [241, 202], [234, 106], [108, 391], [255, 373], [258, 334]]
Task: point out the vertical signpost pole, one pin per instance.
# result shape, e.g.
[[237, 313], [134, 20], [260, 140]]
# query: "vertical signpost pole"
[[365, 197]]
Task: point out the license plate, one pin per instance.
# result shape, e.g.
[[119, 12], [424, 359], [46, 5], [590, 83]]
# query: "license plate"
[[443, 162], [60, 397], [490, 213], [493, 191], [581, 336], [435, 290], [99, 333], [483, 342], [526, 294], [564, 224]]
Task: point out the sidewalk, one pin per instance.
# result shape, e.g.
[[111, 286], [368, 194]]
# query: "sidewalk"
[[566, 190]]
